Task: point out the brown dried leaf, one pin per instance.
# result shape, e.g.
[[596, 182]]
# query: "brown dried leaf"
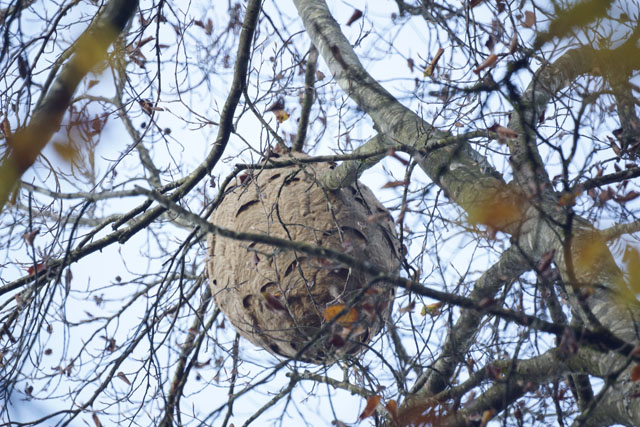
[[391, 152], [627, 197], [407, 308], [23, 68], [145, 41], [370, 408], [529, 19], [635, 373], [357, 14], [490, 62], [37, 268], [5, 127], [276, 106], [123, 377], [606, 195], [111, 344], [29, 237], [96, 420], [392, 408], [503, 132], [336, 341], [393, 184]]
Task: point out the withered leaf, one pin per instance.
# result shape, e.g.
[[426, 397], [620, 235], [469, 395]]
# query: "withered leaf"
[[37, 268], [529, 19], [29, 237], [357, 14], [23, 68], [336, 341], [392, 408], [407, 308], [278, 105], [370, 408], [123, 377], [145, 41], [490, 62], [332, 311], [627, 197], [393, 184]]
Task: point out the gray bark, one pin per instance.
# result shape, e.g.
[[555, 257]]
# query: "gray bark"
[[543, 223]]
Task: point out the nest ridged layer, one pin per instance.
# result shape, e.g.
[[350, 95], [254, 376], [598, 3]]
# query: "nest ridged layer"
[[278, 298]]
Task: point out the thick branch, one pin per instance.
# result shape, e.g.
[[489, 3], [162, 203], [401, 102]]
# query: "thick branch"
[[27, 143], [510, 266], [466, 182], [307, 101], [529, 170]]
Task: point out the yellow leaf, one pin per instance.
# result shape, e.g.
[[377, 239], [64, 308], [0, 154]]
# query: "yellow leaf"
[[428, 72], [67, 151], [486, 416], [431, 309], [496, 208], [591, 255], [333, 310], [281, 115]]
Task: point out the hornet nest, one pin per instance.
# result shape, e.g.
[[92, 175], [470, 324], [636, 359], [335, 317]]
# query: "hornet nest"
[[278, 298]]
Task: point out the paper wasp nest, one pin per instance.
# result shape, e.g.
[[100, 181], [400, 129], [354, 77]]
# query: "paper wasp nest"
[[278, 298]]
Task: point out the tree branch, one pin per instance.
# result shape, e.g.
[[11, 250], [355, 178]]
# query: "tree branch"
[[27, 143]]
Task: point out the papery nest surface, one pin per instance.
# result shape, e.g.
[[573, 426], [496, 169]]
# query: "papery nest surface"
[[278, 298]]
